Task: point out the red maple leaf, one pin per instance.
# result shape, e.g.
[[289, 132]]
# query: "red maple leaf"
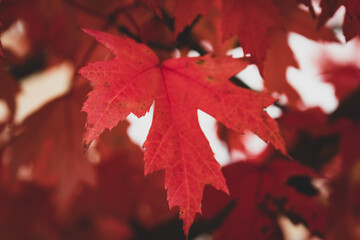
[[134, 78]]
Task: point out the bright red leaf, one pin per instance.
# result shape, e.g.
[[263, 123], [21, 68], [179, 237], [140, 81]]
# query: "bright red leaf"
[[134, 78]]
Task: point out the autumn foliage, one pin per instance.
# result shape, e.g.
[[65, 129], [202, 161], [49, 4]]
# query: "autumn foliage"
[[70, 171]]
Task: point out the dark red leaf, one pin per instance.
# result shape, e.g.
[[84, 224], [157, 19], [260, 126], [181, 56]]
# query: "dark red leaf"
[[262, 193]]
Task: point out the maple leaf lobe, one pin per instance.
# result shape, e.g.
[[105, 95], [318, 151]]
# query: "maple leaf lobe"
[[120, 87]]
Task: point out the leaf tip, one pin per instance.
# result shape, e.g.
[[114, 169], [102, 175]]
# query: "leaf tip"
[[90, 32], [81, 72], [226, 190]]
